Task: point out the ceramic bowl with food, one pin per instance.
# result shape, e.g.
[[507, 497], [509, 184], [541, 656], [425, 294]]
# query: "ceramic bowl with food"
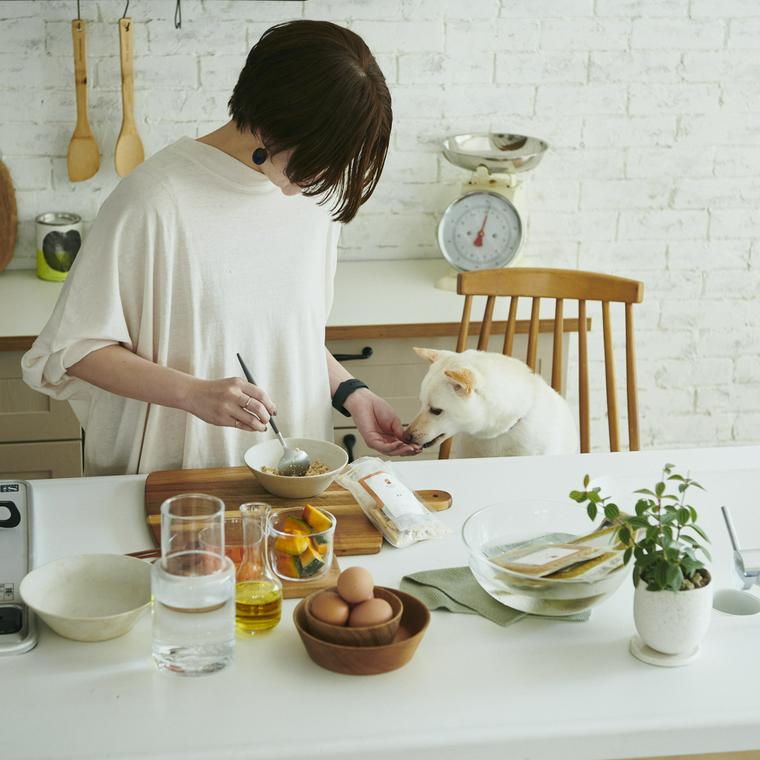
[[89, 597], [358, 636], [510, 525], [262, 460]]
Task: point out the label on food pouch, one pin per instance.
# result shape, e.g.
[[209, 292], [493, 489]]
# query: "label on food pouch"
[[544, 556], [392, 496]]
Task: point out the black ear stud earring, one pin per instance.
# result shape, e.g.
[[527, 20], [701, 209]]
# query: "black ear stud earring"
[[259, 156]]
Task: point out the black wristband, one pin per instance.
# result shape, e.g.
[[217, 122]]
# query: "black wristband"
[[344, 390]]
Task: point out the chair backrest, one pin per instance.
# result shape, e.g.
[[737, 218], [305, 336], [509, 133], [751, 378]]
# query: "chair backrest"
[[561, 285]]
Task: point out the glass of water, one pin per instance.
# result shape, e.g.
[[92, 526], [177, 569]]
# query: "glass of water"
[[193, 586]]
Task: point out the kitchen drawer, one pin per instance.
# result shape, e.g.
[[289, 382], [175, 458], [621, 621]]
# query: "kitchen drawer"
[[360, 449], [26, 415], [31, 461], [400, 350]]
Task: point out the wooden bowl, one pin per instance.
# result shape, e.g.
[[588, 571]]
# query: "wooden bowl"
[[367, 661], [367, 636]]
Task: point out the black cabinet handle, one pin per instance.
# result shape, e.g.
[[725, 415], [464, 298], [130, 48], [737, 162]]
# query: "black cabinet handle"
[[349, 441], [14, 516], [365, 354]]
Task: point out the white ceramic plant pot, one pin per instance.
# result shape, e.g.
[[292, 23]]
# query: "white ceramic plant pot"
[[672, 622]]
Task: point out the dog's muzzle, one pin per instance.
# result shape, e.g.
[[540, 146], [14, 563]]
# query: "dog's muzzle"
[[433, 441]]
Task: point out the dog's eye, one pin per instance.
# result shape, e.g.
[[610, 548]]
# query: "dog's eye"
[[435, 412]]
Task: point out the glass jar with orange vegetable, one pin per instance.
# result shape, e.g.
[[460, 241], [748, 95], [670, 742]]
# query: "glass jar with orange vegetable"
[[300, 542]]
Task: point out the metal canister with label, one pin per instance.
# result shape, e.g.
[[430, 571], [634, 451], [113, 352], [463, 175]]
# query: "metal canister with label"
[[59, 238]]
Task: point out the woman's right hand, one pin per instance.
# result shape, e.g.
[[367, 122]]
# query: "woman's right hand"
[[231, 402]]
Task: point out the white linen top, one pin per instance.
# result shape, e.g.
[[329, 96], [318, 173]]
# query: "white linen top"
[[192, 258]]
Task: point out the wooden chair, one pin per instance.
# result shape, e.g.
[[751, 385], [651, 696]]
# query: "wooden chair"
[[560, 285]]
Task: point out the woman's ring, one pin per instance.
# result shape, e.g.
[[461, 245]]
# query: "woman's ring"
[[245, 406]]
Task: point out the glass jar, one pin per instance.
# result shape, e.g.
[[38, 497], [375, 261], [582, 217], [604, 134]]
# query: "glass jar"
[[258, 592]]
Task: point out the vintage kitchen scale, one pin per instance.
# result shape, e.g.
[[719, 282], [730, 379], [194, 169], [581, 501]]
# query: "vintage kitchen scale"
[[483, 228]]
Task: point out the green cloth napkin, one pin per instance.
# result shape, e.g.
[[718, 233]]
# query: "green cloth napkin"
[[456, 590]]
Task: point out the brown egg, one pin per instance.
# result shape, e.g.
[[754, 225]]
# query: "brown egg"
[[329, 608], [371, 612], [356, 585]]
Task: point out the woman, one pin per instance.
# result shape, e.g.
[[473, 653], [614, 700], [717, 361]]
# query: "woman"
[[197, 256]]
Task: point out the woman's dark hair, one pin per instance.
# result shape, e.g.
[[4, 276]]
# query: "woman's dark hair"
[[315, 87]]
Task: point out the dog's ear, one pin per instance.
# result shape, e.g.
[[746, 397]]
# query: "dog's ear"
[[462, 379], [429, 354]]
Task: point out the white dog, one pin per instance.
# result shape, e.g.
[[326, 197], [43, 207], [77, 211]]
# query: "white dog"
[[495, 406]]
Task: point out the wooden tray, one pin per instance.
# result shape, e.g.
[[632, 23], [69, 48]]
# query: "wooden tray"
[[354, 534]]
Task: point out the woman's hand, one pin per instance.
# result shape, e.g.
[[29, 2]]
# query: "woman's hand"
[[378, 423], [231, 402]]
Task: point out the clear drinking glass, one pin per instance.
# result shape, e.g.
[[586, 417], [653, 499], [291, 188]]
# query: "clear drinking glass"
[[193, 586]]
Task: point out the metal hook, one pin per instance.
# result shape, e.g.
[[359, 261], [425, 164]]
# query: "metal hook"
[[126, 8], [79, 15], [178, 15]]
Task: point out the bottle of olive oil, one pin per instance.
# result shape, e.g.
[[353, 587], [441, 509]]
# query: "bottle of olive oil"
[[258, 591]]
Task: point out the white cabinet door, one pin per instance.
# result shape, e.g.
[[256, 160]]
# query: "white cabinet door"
[[26, 415]]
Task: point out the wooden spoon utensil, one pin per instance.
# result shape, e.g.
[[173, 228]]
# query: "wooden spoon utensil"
[[83, 158], [129, 148]]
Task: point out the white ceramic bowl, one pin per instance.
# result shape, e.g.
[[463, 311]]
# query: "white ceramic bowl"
[[268, 454], [89, 597]]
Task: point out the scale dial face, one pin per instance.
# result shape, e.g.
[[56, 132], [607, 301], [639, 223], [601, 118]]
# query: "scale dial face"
[[480, 230]]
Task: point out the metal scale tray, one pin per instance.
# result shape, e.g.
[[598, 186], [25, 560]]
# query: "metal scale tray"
[[498, 152]]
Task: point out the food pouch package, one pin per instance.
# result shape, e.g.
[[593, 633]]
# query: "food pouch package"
[[388, 504]]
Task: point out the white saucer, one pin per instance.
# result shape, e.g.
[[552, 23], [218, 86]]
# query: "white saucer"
[[652, 657]]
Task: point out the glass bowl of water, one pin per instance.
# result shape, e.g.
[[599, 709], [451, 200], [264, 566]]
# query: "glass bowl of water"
[[516, 527]]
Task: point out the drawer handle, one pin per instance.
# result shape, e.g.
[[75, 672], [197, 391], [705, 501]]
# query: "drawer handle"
[[14, 516], [349, 441], [365, 354]]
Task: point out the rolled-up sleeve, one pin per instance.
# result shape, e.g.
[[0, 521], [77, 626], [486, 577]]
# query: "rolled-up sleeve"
[[100, 303]]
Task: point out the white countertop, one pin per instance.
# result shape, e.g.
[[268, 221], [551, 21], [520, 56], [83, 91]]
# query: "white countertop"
[[366, 293], [538, 689]]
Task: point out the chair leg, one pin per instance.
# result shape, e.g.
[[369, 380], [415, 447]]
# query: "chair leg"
[[630, 381], [583, 379], [509, 334], [533, 334], [609, 375], [557, 347]]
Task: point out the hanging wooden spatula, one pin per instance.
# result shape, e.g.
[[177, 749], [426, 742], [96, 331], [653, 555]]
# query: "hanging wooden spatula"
[[129, 148], [83, 158]]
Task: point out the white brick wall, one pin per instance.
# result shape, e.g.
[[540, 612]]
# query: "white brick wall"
[[652, 109]]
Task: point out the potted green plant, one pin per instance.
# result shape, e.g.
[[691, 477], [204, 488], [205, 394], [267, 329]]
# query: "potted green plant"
[[673, 596]]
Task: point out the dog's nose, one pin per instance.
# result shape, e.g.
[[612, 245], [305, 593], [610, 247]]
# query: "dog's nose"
[[408, 436]]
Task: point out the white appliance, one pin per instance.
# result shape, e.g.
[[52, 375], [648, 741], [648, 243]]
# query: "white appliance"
[[17, 627], [483, 228]]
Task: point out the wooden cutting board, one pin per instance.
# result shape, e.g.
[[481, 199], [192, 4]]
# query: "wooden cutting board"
[[300, 589], [354, 534]]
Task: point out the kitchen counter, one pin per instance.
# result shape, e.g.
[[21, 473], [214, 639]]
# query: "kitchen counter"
[[539, 689], [387, 299]]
